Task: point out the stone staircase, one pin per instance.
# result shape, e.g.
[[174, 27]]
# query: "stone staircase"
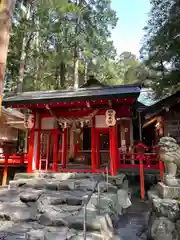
[[51, 206]]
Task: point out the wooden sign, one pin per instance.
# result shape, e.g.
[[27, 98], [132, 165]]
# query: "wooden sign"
[[110, 117], [28, 121]]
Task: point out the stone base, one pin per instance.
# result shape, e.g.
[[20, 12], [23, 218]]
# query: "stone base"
[[168, 208], [172, 192]]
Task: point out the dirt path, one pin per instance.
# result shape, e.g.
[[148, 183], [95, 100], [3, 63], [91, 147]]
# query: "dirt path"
[[131, 224]]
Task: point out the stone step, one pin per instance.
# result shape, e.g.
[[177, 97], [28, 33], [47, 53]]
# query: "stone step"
[[31, 231], [115, 180], [58, 176], [56, 201], [42, 184], [61, 233], [56, 185], [75, 220]]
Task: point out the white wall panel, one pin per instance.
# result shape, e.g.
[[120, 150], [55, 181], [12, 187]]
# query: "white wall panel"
[[47, 123], [100, 121]]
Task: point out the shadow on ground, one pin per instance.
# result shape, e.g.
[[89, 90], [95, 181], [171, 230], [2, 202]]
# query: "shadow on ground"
[[132, 225]]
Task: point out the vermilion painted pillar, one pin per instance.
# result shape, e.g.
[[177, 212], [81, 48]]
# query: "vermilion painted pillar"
[[141, 170], [113, 150], [93, 146], [38, 143], [111, 153], [98, 150], [55, 154], [5, 171], [64, 148], [31, 151], [31, 147]]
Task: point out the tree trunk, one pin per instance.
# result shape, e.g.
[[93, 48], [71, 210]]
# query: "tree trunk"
[[57, 79], [76, 49], [62, 74], [23, 54], [6, 14], [85, 72], [76, 70]]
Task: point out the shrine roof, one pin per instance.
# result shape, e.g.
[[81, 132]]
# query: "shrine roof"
[[80, 94], [162, 105]]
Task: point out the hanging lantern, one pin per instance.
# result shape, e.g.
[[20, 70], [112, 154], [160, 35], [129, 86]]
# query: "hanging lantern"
[[110, 117], [28, 121]]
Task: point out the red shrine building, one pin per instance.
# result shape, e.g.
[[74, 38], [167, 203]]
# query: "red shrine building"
[[78, 130]]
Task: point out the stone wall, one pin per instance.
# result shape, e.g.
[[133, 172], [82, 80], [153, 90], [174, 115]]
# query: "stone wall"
[[164, 222], [50, 206]]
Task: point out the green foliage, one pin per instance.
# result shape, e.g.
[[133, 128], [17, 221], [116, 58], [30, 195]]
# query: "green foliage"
[[161, 46], [50, 36]]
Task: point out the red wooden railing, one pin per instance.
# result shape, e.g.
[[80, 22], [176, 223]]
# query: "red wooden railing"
[[142, 162], [131, 160], [127, 160], [14, 159], [11, 160]]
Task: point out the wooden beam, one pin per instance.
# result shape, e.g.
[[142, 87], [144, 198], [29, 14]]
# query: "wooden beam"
[[150, 122], [14, 122]]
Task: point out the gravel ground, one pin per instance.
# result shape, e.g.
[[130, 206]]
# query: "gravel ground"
[[131, 225]]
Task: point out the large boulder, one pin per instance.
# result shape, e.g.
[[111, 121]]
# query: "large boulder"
[[163, 228], [166, 208], [35, 235]]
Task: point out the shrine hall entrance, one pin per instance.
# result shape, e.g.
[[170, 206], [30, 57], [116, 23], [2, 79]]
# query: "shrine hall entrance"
[[50, 150], [60, 150], [102, 148]]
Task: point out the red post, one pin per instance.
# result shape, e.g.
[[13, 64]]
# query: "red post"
[[93, 145], [55, 154], [115, 147], [38, 143], [31, 151], [5, 171], [64, 148], [22, 159], [141, 169], [98, 150], [112, 152], [161, 169], [31, 146]]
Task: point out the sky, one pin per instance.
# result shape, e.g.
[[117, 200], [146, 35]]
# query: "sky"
[[132, 16]]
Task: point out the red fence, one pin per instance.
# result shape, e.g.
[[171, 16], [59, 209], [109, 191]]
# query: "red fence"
[[127, 160], [131, 160], [142, 162], [13, 160]]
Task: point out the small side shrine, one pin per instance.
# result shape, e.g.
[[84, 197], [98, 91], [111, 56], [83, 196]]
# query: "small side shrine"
[[11, 121], [163, 118], [78, 130]]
